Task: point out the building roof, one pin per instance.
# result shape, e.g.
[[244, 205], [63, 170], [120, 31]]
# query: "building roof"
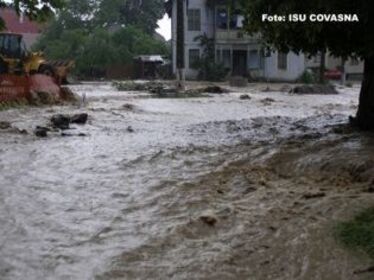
[[17, 24]]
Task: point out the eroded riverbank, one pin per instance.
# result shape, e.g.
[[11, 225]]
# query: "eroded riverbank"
[[274, 172]]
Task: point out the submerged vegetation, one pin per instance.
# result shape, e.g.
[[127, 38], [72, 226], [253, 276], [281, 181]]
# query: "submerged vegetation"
[[359, 232]]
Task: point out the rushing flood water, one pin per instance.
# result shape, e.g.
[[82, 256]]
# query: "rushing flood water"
[[128, 201]]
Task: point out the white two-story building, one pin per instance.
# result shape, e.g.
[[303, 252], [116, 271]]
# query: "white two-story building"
[[242, 54]]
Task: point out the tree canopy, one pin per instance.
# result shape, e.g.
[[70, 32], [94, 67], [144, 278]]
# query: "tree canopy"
[[97, 34], [342, 39], [142, 14]]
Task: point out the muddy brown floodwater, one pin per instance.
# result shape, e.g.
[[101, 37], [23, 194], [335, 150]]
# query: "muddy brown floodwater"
[[200, 188]]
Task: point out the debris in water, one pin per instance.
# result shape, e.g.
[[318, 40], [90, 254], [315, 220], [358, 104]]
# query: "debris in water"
[[245, 97], [314, 195], [314, 89], [60, 121], [214, 89], [267, 101], [79, 118], [267, 89], [5, 125], [41, 132], [209, 219], [64, 134], [63, 121], [128, 107]]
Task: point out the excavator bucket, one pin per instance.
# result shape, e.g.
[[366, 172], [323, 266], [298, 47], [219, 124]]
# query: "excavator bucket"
[[17, 88], [62, 69], [44, 83], [13, 88]]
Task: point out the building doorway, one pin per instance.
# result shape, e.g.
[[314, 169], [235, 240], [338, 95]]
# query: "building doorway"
[[239, 63]]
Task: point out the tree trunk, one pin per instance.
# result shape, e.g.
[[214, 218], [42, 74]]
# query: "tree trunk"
[[322, 67], [343, 78], [365, 114]]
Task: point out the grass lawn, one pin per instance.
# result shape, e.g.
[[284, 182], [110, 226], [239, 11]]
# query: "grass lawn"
[[358, 233]]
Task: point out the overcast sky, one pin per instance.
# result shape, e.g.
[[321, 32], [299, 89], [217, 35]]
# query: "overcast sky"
[[165, 27]]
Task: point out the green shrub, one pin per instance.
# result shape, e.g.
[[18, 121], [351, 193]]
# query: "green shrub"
[[208, 69], [307, 77]]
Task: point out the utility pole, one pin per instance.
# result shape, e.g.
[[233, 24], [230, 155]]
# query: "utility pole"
[[180, 45]]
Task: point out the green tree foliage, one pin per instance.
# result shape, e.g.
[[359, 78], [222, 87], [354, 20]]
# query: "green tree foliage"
[[39, 10], [208, 69], [80, 33], [342, 39], [142, 14]]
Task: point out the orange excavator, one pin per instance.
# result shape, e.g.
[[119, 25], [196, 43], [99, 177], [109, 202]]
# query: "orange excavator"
[[23, 71], [16, 59]]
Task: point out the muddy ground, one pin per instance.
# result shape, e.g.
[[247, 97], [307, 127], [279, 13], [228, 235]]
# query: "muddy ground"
[[216, 187]]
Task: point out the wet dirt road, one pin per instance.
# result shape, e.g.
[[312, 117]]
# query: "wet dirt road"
[[200, 188]]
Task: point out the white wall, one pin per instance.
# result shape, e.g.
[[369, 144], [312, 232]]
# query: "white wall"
[[296, 63], [295, 67], [207, 27]]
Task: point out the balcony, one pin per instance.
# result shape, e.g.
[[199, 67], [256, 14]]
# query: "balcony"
[[234, 36]]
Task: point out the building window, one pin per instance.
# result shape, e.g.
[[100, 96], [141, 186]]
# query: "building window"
[[282, 60], [236, 20], [254, 59], [218, 56], [221, 18], [193, 57], [194, 20]]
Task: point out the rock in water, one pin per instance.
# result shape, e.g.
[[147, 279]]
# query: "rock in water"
[[5, 125], [79, 118], [41, 131], [209, 218], [60, 121]]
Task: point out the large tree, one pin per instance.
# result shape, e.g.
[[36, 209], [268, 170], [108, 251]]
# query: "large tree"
[[142, 14], [342, 39], [95, 43]]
